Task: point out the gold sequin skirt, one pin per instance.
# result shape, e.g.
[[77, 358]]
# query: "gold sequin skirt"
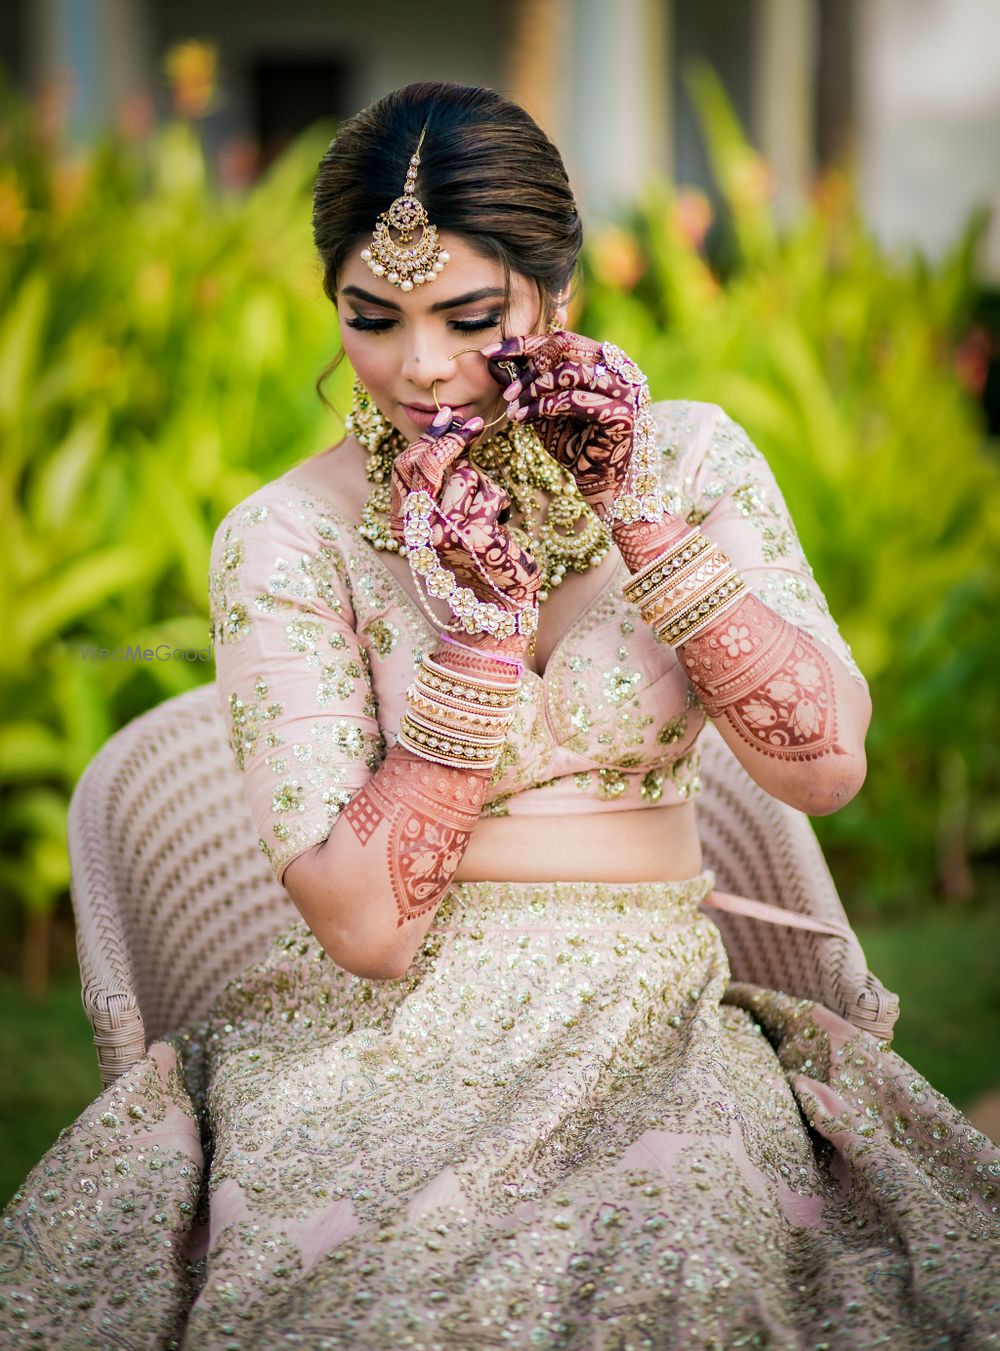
[[565, 1127]]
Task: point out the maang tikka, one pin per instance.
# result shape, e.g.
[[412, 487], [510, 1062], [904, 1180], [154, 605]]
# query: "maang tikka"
[[400, 265]]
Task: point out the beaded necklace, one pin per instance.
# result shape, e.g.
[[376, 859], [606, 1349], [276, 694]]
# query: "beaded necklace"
[[515, 459]]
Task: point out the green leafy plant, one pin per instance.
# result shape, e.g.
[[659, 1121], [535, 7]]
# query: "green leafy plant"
[[159, 337], [844, 364]]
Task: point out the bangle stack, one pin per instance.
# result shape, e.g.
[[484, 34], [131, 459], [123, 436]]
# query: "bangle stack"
[[456, 719], [685, 589]]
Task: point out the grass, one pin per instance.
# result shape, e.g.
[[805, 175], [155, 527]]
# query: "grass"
[[51, 1073], [943, 967]]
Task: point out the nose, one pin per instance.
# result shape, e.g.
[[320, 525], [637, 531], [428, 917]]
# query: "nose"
[[426, 360]]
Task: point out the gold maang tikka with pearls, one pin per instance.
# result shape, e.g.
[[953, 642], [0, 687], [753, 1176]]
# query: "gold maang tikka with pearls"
[[402, 263]]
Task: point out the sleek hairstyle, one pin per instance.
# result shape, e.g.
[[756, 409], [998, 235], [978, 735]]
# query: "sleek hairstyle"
[[487, 171]]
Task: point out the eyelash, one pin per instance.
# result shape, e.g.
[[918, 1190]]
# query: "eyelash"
[[381, 325]]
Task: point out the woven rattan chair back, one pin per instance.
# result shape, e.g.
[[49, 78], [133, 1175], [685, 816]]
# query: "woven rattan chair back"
[[173, 897]]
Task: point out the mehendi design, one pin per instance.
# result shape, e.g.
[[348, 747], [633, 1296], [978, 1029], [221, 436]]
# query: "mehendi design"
[[461, 656], [364, 814], [431, 811], [469, 539], [769, 679], [581, 411], [640, 542], [471, 503]]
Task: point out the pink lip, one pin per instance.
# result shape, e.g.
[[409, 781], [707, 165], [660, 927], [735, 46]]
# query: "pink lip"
[[423, 417]]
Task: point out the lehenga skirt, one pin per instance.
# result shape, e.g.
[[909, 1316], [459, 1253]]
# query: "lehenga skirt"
[[565, 1127]]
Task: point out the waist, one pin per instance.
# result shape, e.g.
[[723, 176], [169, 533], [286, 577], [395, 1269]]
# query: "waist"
[[651, 845], [508, 907]]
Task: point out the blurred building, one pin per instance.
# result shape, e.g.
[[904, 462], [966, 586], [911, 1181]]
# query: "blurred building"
[[906, 90]]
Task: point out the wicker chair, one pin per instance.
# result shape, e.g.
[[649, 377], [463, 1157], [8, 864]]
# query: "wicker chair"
[[173, 897]]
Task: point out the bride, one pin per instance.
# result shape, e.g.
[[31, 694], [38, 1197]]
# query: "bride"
[[495, 1087]]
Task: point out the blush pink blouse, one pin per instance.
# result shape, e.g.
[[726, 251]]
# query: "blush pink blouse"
[[316, 641]]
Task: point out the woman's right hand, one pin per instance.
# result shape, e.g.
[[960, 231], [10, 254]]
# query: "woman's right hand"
[[467, 534]]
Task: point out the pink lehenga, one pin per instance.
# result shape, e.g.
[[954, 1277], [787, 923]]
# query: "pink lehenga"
[[565, 1126]]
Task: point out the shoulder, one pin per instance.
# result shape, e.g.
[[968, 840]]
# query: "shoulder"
[[283, 545], [285, 513], [696, 426], [705, 454]]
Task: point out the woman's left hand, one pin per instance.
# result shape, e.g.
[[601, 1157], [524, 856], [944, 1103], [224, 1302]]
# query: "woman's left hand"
[[582, 411], [585, 416]]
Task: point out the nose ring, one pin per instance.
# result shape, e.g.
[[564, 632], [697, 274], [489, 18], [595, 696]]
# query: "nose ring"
[[507, 366]]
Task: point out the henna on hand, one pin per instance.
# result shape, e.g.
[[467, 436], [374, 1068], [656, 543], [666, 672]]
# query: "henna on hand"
[[429, 812], [466, 531], [582, 411], [471, 542], [425, 463], [768, 679], [641, 542]]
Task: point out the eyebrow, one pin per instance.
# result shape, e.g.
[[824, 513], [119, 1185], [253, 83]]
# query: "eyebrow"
[[487, 293]]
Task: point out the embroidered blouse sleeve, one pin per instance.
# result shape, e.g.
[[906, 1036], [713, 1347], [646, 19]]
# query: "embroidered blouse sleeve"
[[292, 677], [723, 484]]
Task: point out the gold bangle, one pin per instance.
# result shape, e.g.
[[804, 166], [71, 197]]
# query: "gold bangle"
[[697, 617], [445, 678], [677, 556], [444, 750], [674, 597], [471, 720]]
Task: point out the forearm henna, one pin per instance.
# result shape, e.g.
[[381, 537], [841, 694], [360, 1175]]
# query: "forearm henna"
[[640, 542], [429, 812], [471, 654], [581, 410], [768, 679]]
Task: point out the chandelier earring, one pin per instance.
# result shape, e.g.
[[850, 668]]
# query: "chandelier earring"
[[383, 443], [554, 325], [365, 419]]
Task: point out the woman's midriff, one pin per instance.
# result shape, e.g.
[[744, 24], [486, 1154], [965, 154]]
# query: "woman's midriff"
[[653, 844]]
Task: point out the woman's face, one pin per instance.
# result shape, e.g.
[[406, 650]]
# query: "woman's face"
[[399, 342]]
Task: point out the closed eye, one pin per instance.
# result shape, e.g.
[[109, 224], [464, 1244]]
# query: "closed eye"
[[460, 325]]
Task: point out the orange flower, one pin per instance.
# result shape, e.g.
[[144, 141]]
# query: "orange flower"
[[617, 257], [692, 215], [833, 193], [191, 68]]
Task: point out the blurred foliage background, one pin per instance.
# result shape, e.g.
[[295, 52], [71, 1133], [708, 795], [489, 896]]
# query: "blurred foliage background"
[[159, 339]]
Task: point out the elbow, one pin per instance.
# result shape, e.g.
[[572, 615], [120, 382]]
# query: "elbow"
[[369, 965], [358, 949], [367, 957], [827, 793]]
